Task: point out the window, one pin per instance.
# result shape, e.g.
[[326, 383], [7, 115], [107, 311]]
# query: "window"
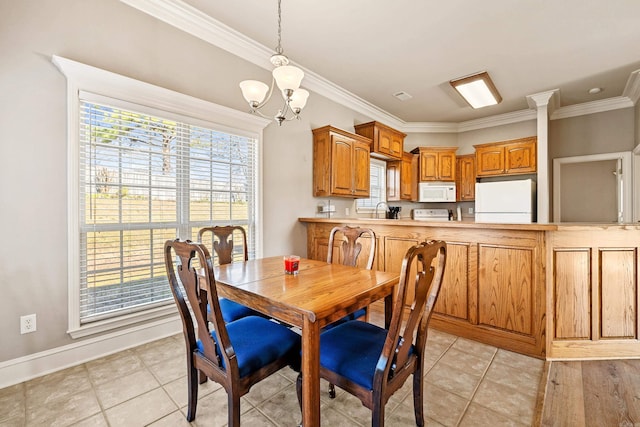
[[378, 187], [141, 175], [145, 179]]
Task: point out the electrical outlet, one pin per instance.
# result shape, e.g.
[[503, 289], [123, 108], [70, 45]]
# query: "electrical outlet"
[[470, 211], [346, 211], [27, 323]]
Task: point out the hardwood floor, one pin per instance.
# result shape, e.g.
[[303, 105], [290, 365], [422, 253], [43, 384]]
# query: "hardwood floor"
[[591, 393]]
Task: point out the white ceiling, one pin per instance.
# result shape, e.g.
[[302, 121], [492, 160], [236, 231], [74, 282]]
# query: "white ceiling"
[[375, 48]]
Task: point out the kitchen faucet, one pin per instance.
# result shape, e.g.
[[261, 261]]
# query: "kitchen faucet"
[[380, 203]]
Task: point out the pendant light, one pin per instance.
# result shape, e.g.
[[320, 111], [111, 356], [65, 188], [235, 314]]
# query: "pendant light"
[[286, 77]]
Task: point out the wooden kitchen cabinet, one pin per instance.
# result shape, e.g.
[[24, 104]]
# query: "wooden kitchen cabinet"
[[386, 143], [340, 163], [437, 163], [466, 178], [400, 179], [594, 292], [493, 289], [513, 157]]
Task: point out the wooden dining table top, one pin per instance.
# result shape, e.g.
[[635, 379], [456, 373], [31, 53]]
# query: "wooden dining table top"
[[320, 291], [319, 294]]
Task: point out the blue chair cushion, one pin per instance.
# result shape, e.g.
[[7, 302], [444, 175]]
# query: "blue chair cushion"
[[352, 350], [352, 316], [258, 342], [232, 311]]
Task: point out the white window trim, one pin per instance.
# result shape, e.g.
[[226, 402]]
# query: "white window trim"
[[82, 77]]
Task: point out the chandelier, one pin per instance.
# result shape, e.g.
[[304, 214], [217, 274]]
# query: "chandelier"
[[288, 79]]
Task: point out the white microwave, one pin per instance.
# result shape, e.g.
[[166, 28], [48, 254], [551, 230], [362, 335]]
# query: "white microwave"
[[437, 192]]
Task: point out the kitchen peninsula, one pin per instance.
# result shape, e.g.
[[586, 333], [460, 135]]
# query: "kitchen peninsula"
[[552, 291]]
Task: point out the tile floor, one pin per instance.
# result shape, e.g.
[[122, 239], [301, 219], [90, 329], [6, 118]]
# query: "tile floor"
[[467, 384]]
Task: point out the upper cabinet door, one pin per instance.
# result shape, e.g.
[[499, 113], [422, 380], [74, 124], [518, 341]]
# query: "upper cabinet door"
[[466, 177], [490, 160], [397, 143], [447, 166], [341, 165], [520, 157], [428, 166], [386, 143], [361, 173], [437, 163], [513, 157]]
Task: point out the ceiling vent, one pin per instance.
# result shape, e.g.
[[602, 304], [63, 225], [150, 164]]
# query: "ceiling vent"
[[402, 95]]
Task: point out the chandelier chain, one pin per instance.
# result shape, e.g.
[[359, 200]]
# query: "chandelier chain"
[[279, 49]]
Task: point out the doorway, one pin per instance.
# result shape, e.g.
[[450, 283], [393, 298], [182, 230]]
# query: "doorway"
[[594, 188]]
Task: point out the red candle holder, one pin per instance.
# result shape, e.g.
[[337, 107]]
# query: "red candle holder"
[[291, 263]]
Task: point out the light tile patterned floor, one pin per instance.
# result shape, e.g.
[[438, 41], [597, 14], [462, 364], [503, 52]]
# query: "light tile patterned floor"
[[466, 384]]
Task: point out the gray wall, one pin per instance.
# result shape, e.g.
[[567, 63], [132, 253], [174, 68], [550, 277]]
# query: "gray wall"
[[466, 140], [33, 166], [598, 133], [637, 121]]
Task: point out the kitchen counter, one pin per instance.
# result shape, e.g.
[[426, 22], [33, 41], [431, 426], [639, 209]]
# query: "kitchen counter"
[[555, 291], [472, 224], [415, 223]]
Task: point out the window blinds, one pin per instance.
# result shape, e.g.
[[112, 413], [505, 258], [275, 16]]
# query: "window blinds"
[[145, 179], [377, 186]]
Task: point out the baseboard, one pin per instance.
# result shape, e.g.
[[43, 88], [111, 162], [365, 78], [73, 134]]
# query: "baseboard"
[[35, 365]]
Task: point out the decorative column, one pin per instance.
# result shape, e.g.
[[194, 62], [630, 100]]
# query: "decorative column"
[[544, 103]]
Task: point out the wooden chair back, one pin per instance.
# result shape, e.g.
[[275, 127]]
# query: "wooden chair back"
[[402, 344], [350, 246], [210, 353], [223, 239], [200, 287], [401, 350]]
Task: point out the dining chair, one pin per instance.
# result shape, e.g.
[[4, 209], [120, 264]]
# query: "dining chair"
[[371, 362], [221, 239], [350, 248], [237, 354]]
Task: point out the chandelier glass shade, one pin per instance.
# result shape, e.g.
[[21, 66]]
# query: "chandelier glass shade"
[[288, 79]]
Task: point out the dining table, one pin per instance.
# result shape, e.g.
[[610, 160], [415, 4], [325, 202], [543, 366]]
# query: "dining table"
[[319, 294]]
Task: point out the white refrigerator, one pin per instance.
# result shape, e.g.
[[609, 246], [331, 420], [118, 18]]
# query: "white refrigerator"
[[506, 201]]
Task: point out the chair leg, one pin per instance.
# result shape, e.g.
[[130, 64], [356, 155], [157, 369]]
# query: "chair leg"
[[332, 391], [299, 394], [192, 379], [202, 378], [377, 415], [418, 386], [233, 400]]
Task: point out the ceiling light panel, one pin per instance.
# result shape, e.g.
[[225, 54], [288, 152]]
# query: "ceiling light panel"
[[478, 90]]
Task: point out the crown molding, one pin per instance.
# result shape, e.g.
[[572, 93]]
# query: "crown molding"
[[632, 89], [192, 21], [428, 127], [615, 103], [498, 120]]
